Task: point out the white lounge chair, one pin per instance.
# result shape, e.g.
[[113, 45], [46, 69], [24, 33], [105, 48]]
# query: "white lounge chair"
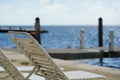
[[44, 64], [13, 71], [10, 68]]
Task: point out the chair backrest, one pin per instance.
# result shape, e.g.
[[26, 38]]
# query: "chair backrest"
[[38, 56], [9, 67]]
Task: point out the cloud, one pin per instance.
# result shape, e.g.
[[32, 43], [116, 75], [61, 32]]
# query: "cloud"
[[110, 12], [52, 7], [11, 9], [44, 2], [44, 7], [27, 9], [89, 12], [60, 11]]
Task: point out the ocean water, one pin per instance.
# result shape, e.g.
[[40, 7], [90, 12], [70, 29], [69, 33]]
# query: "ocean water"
[[107, 62], [68, 37]]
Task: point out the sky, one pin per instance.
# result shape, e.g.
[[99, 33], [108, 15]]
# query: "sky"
[[59, 12]]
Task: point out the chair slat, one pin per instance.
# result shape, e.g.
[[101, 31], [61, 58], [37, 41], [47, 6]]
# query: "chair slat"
[[33, 50], [33, 54], [31, 45], [48, 67], [23, 39], [40, 59], [43, 63]]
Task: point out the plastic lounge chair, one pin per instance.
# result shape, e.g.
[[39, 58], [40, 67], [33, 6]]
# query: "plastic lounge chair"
[[13, 71], [44, 64], [10, 68]]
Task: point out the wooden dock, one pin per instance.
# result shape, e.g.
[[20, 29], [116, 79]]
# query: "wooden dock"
[[71, 53], [29, 31], [75, 53]]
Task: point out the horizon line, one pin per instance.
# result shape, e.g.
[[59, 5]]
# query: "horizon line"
[[64, 25]]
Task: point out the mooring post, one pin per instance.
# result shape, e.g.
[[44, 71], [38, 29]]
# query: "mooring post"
[[9, 27], [37, 29], [100, 32], [111, 42], [82, 38], [101, 58], [20, 28], [100, 38]]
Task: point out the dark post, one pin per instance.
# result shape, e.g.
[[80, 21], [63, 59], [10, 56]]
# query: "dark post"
[[101, 58], [37, 29], [100, 32], [9, 27], [100, 38], [20, 28]]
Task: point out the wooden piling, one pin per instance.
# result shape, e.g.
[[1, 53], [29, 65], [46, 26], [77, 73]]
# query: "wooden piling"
[[101, 57], [20, 28], [111, 41], [82, 39], [37, 29], [100, 32], [10, 28], [100, 38]]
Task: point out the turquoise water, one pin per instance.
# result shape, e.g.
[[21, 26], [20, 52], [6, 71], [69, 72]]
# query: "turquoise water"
[[68, 37]]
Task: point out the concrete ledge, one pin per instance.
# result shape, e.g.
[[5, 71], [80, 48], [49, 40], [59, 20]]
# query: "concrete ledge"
[[72, 53]]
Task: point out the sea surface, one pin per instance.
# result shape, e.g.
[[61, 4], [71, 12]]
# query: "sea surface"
[[107, 62], [68, 36]]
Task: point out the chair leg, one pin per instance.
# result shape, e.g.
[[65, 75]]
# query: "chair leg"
[[30, 73]]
